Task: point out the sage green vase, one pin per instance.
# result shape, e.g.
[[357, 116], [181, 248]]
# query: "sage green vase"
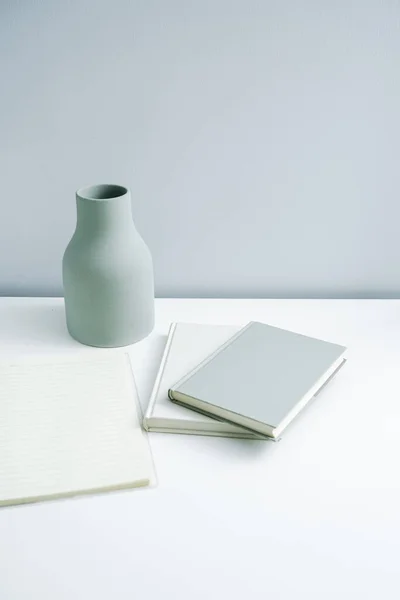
[[107, 272]]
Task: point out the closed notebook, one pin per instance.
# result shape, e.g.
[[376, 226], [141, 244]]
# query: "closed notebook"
[[187, 345], [260, 379], [68, 427]]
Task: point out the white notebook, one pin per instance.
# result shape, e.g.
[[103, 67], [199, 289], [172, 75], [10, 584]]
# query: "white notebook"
[[70, 427], [187, 345]]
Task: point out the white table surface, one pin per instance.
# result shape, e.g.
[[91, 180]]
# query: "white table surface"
[[315, 516]]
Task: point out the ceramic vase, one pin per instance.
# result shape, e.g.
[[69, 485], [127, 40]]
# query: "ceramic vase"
[[107, 271]]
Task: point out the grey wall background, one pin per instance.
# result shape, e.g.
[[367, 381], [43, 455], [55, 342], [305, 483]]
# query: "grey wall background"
[[260, 140]]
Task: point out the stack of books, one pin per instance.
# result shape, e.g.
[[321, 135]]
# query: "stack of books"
[[248, 382], [72, 425]]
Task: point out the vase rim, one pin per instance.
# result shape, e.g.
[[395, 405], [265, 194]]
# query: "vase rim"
[[102, 191]]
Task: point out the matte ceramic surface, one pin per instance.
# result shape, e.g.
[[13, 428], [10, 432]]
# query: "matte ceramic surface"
[[107, 271]]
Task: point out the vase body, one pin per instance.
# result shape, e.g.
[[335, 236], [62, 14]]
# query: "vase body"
[[107, 272]]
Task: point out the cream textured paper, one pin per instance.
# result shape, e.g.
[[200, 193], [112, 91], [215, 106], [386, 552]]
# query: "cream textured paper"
[[69, 427]]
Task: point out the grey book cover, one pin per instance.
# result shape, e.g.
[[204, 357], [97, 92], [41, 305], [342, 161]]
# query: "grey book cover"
[[261, 378], [188, 344]]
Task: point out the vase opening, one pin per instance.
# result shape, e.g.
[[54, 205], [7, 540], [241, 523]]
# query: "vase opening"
[[102, 192]]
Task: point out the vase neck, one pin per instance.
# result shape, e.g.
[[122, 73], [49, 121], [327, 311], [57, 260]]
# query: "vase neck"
[[105, 215]]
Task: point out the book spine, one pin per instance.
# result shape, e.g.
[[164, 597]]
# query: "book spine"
[[156, 387]]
